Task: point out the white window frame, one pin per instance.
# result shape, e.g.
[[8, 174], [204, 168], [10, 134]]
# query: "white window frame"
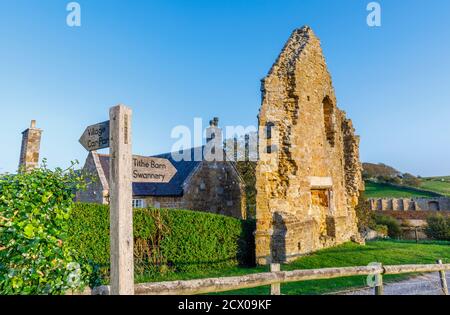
[[138, 203]]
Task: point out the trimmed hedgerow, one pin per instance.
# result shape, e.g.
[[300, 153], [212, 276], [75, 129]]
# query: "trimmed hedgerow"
[[166, 240]]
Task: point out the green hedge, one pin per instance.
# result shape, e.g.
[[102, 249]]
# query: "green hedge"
[[166, 240], [438, 227]]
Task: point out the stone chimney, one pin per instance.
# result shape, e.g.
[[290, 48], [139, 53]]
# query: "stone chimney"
[[213, 132], [214, 146], [31, 142]]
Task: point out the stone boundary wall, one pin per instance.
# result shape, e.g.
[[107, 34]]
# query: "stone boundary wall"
[[412, 215], [410, 204]]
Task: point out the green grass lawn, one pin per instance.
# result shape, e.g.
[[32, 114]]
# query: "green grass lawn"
[[386, 252], [378, 190], [438, 184]]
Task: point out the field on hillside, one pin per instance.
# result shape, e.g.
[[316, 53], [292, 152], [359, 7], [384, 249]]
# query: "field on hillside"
[[379, 190], [350, 254], [438, 184]]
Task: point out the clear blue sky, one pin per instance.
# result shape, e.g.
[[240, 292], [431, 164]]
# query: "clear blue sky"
[[172, 61]]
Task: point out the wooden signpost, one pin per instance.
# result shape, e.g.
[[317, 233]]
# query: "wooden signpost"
[[96, 137], [121, 210], [116, 134], [124, 170]]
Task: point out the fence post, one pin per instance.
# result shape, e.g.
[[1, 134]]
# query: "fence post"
[[275, 289], [379, 289], [443, 279]]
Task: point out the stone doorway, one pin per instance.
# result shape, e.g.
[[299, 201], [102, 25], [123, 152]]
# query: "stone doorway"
[[321, 201]]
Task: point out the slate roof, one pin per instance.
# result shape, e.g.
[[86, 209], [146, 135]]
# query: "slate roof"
[[174, 187]]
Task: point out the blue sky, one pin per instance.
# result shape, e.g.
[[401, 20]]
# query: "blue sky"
[[173, 60]]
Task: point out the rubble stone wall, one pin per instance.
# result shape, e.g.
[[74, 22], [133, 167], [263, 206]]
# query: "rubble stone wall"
[[296, 212]]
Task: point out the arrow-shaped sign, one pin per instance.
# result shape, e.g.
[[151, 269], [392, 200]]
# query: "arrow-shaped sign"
[[152, 170], [96, 137]]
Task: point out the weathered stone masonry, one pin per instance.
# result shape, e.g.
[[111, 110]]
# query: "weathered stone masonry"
[[308, 177]]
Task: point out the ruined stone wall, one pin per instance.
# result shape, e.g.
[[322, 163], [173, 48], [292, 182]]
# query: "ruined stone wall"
[[308, 176], [410, 204], [216, 187]]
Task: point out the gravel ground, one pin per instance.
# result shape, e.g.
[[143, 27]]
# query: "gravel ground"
[[427, 284]]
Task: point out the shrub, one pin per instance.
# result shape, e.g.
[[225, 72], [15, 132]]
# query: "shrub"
[[411, 180], [166, 240], [438, 227], [394, 228], [381, 229], [34, 211], [363, 214]]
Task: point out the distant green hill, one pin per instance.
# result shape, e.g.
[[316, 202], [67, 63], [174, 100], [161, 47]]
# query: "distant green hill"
[[384, 181], [440, 185], [379, 190]]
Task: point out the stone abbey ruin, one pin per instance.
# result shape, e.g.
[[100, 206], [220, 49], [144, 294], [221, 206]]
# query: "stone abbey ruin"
[[309, 179]]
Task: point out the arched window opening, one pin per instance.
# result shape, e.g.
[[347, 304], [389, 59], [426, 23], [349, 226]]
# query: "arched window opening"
[[269, 130], [329, 120]]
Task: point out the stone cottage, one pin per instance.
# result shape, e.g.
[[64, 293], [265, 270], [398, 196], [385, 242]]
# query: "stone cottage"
[[308, 176], [200, 184]]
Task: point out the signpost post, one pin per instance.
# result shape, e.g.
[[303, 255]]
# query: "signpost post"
[[124, 170], [116, 134], [121, 211]]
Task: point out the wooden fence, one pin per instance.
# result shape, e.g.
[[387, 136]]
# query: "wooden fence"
[[275, 277]]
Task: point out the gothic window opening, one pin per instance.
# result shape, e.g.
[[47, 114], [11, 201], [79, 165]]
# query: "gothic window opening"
[[329, 120], [269, 129], [270, 126]]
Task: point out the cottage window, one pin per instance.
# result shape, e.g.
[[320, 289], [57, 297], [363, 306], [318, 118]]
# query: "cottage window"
[[138, 203]]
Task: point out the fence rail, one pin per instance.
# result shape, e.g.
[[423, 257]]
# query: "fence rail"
[[275, 277]]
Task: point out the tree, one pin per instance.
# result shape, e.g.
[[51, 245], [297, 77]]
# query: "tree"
[[411, 180], [244, 151]]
